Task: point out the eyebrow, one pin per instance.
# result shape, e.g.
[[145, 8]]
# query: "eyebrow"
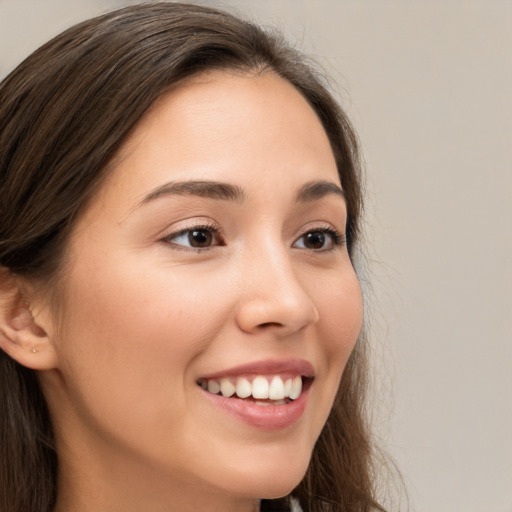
[[208, 189], [315, 190], [309, 192]]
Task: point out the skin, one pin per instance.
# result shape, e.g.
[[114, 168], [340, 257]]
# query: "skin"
[[144, 315]]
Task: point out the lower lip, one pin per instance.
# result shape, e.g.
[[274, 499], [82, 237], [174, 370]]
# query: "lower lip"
[[270, 417]]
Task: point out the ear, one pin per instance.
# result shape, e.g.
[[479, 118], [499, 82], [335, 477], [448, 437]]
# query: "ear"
[[23, 335]]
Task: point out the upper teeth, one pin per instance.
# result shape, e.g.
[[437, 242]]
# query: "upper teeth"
[[261, 388]]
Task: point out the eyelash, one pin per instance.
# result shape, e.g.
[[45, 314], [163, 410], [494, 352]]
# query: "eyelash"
[[213, 229], [338, 239]]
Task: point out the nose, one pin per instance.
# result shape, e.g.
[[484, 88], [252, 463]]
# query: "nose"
[[274, 299]]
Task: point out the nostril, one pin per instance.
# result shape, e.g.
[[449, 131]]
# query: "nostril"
[[270, 324]]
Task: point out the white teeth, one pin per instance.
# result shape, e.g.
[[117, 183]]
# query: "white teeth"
[[260, 388], [227, 388], [243, 388], [287, 387], [276, 390], [296, 388]]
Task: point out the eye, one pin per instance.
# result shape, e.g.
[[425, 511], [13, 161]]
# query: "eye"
[[324, 239], [197, 237]]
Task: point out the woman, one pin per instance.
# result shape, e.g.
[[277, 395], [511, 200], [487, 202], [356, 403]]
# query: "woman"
[[180, 200]]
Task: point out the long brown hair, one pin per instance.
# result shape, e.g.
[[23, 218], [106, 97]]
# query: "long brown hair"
[[64, 112]]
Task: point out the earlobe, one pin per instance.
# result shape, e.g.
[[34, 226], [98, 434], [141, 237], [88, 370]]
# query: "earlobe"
[[21, 336]]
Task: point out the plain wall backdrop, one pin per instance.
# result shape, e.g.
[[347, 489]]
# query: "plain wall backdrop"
[[428, 86]]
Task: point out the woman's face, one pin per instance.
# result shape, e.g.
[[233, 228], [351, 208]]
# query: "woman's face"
[[212, 256]]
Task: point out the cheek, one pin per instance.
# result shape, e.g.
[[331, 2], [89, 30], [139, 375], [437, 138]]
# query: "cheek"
[[339, 303], [341, 314], [131, 335], [141, 300]]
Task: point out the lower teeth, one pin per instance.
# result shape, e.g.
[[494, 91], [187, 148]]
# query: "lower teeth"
[[270, 402]]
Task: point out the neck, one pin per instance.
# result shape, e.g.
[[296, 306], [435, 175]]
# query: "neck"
[[83, 496], [91, 484]]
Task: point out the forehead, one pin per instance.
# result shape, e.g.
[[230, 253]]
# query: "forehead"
[[231, 127]]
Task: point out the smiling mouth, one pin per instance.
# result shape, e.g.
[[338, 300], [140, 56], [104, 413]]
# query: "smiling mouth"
[[260, 389]]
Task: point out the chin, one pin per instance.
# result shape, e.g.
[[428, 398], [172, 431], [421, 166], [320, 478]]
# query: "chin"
[[269, 481], [276, 490]]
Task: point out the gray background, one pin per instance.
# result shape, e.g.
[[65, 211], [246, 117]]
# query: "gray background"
[[428, 86]]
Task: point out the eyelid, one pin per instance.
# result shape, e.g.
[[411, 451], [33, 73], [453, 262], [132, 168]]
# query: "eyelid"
[[191, 225], [339, 238]]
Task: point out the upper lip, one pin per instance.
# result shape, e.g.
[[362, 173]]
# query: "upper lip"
[[267, 367]]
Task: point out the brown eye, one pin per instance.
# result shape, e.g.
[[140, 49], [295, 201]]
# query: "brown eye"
[[320, 240], [200, 238], [314, 240], [195, 238]]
